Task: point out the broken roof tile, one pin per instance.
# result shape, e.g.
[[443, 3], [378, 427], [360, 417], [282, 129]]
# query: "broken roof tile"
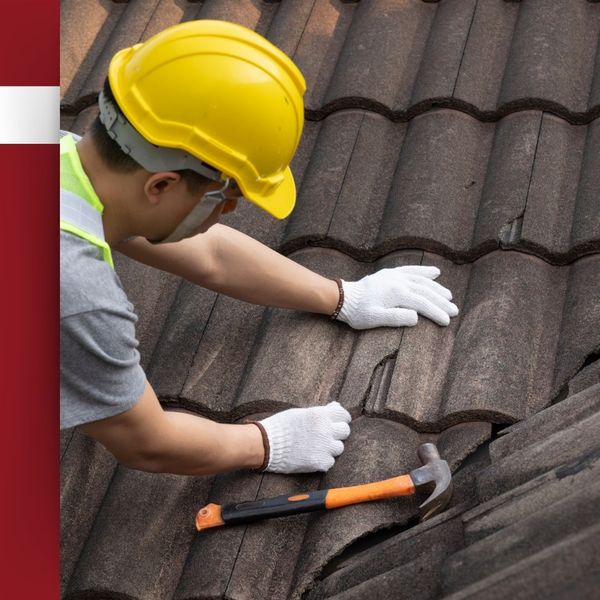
[[465, 374], [343, 204], [412, 383], [414, 396], [281, 358], [454, 185], [374, 356], [506, 187], [449, 203]]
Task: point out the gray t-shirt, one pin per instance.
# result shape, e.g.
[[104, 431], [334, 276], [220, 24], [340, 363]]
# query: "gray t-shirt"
[[100, 372]]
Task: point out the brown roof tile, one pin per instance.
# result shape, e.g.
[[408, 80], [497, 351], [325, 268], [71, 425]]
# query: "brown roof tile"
[[141, 535]]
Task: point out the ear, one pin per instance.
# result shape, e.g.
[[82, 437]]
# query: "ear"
[[158, 184]]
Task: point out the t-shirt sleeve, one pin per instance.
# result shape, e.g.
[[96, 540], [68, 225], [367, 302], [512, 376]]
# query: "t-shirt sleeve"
[[100, 372]]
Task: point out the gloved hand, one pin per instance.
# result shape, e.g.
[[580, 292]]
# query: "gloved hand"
[[302, 440], [394, 297]]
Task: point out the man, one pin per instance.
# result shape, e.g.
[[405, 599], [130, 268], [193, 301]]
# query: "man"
[[197, 117]]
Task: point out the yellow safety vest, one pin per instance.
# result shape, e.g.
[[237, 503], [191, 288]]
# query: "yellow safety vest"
[[80, 208]]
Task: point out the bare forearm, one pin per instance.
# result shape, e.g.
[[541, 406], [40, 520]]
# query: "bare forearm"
[[148, 438], [234, 264], [248, 270], [191, 445]]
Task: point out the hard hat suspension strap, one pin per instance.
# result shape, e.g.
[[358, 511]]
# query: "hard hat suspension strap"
[[150, 157]]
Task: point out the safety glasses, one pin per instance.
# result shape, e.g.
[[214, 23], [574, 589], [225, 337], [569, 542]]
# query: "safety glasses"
[[199, 213]]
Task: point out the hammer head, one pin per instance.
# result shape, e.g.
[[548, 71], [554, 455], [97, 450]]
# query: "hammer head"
[[433, 475]]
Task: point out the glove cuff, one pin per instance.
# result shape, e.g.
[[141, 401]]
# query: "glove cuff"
[[280, 442], [266, 446], [336, 312], [352, 300]]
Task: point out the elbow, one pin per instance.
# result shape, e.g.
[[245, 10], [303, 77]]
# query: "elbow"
[[202, 267]]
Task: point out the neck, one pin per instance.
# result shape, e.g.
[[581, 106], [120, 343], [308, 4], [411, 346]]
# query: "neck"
[[115, 191]]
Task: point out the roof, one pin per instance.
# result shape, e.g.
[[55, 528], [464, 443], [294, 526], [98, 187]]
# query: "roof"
[[462, 134]]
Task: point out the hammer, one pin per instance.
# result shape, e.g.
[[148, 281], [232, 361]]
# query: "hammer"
[[434, 473]]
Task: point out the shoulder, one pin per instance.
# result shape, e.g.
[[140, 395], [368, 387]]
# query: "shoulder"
[[87, 283]]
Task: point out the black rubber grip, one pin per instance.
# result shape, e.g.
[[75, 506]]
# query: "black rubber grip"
[[269, 508]]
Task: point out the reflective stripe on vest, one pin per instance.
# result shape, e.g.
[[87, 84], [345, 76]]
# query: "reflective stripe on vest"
[[79, 217]]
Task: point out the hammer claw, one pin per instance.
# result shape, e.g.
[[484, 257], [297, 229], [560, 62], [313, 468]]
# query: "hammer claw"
[[434, 474]]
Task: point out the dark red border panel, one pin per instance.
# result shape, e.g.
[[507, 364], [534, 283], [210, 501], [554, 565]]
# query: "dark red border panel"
[[29, 430], [30, 42], [29, 299]]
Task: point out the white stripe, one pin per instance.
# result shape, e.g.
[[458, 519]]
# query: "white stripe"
[[29, 114], [78, 212]]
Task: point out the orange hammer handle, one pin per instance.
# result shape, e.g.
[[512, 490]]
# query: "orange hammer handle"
[[214, 515], [388, 488]]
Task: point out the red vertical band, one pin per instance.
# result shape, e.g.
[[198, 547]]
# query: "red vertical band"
[[29, 430], [29, 448], [29, 44]]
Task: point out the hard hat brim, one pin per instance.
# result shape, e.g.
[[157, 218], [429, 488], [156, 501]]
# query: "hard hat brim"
[[281, 201]]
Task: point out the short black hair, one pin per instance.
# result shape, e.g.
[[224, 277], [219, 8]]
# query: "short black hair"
[[114, 158]]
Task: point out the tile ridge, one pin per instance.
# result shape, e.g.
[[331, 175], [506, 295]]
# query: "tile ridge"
[[576, 253], [445, 102]]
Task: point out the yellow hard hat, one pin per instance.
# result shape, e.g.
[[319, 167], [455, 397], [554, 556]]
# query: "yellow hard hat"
[[223, 94]]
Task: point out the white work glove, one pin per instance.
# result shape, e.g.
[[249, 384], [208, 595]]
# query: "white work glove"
[[395, 297], [302, 440]]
